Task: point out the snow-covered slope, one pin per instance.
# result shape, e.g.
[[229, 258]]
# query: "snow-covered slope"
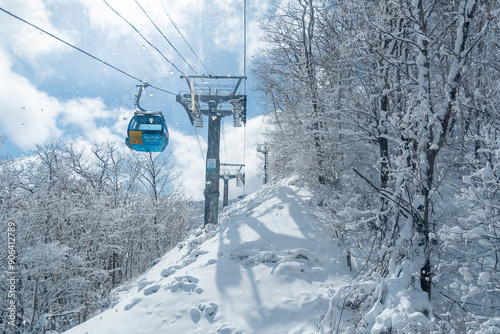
[[267, 268]]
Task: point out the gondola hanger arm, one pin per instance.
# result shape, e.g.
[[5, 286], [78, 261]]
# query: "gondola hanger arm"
[[139, 109]]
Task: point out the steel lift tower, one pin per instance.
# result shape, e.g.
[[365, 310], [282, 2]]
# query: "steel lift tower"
[[227, 175], [215, 103]]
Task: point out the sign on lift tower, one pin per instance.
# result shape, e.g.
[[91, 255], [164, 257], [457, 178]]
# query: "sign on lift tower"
[[215, 103]]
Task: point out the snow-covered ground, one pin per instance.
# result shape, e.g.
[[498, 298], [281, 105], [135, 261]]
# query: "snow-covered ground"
[[268, 267]]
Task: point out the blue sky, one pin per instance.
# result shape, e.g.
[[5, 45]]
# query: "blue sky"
[[51, 91]]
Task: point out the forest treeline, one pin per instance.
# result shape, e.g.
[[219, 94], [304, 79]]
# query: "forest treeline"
[[390, 110], [86, 220]]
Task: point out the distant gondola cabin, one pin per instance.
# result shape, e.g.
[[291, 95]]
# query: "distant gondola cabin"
[[147, 133]]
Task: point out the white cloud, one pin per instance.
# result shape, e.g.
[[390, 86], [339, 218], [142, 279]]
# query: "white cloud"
[[20, 39], [103, 17], [27, 116], [229, 34], [254, 32], [84, 112], [190, 162]]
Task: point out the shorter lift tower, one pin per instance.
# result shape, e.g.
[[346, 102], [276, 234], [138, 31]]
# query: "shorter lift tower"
[[228, 174], [262, 148], [215, 102]]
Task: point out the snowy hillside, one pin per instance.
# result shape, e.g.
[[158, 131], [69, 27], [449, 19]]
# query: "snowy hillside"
[[267, 268]]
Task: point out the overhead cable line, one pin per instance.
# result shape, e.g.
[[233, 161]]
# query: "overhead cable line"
[[245, 82], [224, 149], [82, 51], [144, 38], [199, 144], [179, 70], [185, 40], [165, 37], [245, 46]]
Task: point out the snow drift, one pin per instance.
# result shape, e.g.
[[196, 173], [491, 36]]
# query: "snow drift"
[[268, 267]]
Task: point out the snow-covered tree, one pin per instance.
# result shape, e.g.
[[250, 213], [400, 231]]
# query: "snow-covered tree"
[[83, 227], [406, 92]]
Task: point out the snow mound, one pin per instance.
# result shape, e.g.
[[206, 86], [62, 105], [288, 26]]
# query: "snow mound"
[[266, 268]]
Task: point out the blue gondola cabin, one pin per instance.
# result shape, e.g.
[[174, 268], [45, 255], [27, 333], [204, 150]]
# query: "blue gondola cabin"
[[147, 133]]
